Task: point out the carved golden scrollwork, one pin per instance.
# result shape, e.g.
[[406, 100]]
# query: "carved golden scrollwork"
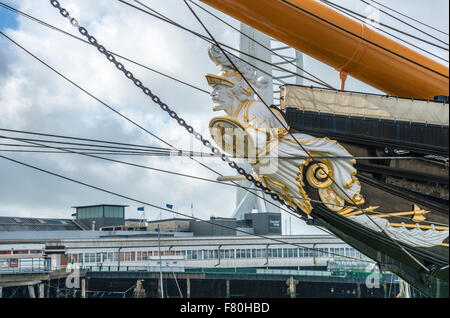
[[319, 175], [289, 198], [331, 199], [231, 136]]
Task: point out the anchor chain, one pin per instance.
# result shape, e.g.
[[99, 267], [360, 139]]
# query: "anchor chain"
[[74, 22]]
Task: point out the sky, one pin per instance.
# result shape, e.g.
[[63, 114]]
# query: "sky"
[[32, 98]]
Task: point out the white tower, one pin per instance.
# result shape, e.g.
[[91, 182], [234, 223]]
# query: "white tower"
[[245, 201]]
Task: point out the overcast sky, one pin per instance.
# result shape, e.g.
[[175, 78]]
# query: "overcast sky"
[[33, 98]]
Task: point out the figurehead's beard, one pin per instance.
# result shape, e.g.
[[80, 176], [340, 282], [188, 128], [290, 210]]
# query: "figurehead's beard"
[[217, 107]]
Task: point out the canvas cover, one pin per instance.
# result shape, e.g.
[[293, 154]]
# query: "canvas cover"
[[364, 105]]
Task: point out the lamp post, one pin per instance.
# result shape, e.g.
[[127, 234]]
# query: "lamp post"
[[160, 263]]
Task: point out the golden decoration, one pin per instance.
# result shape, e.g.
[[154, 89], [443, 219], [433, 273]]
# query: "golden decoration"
[[218, 80], [230, 134], [319, 175], [328, 195], [283, 192]]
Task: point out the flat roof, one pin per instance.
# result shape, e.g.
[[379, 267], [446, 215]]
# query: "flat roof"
[[91, 206], [167, 220], [23, 224]]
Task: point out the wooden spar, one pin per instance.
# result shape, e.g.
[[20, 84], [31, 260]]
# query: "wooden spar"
[[338, 41]]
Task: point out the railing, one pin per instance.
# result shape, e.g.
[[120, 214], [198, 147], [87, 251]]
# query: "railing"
[[151, 269], [24, 266], [230, 271]]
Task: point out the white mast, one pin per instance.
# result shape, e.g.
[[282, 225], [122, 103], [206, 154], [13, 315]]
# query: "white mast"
[[245, 201]]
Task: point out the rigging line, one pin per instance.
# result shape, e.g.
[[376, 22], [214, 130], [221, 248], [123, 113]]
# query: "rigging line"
[[327, 174], [404, 15], [156, 12], [145, 150], [97, 151], [112, 152], [155, 169], [68, 150], [364, 39], [172, 211], [230, 47], [189, 153], [103, 151], [108, 148], [383, 24], [145, 167], [81, 139], [87, 42], [92, 154], [260, 44], [406, 23], [137, 125], [183, 153], [349, 13]]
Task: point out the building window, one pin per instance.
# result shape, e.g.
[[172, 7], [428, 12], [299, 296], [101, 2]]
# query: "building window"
[[90, 212], [114, 212], [258, 253]]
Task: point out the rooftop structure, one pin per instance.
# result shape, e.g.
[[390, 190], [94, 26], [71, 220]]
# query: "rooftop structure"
[[97, 216], [14, 224]]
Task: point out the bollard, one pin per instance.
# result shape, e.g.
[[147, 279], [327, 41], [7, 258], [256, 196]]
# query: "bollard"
[[83, 288], [41, 291], [31, 291], [188, 287]]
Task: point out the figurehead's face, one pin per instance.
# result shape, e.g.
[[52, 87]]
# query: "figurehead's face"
[[223, 97]]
